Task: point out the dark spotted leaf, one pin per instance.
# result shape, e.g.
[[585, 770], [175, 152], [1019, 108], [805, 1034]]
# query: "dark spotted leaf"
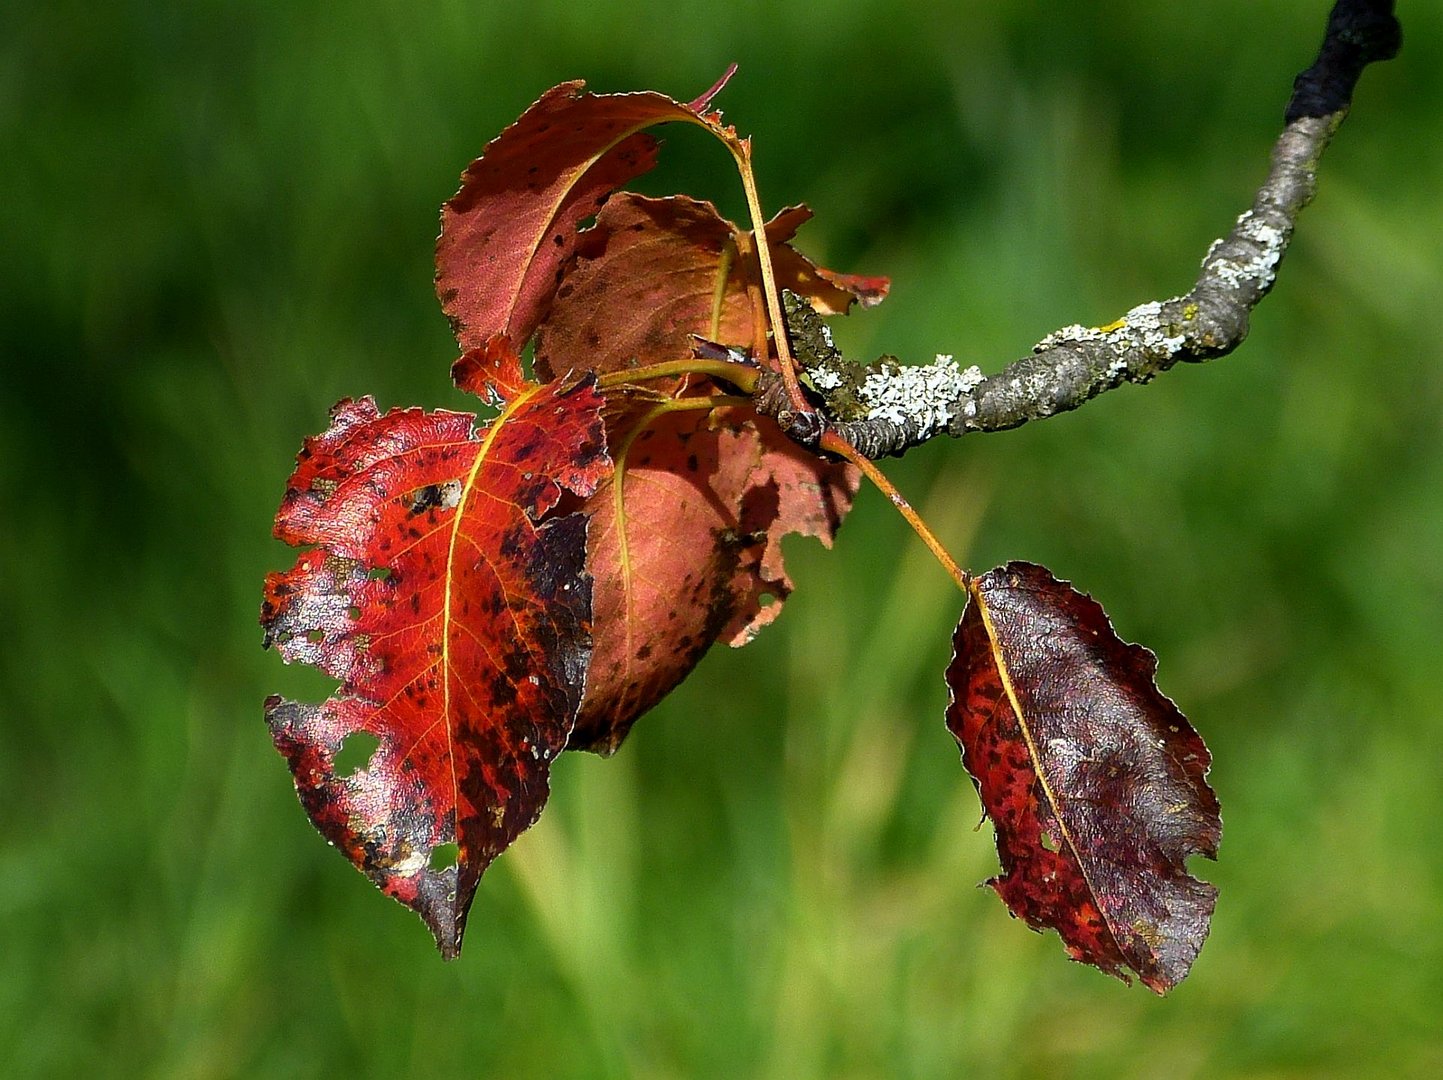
[[1094, 781], [446, 590]]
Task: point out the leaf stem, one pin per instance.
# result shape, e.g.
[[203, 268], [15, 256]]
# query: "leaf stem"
[[760, 347], [742, 152], [741, 376], [715, 401], [834, 443], [690, 404]]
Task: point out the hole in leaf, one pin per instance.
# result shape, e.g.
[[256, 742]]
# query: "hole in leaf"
[[766, 600], [378, 573], [353, 612], [355, 753], [444, 856], [1049, 842], [316, 636]]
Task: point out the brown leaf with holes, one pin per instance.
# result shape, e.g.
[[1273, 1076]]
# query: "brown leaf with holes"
[[692, 551], [444, 585], [1094, 781], [652, 272]]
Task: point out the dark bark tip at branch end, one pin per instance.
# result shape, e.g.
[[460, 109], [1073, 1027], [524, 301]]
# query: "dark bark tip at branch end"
[[1360, 32]]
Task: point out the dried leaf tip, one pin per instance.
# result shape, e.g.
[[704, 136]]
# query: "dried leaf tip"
[[700, 105]]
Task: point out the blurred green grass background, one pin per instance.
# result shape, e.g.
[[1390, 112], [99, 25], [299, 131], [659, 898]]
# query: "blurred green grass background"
[[217, 218]]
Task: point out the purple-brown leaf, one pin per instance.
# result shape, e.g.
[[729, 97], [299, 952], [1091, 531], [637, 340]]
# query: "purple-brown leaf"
[[1094, 781]]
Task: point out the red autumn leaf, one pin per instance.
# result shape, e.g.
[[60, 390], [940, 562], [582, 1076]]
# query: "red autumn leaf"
[[1094, 781], [448, 594], [687, 555], [652, 272], [512, 225]]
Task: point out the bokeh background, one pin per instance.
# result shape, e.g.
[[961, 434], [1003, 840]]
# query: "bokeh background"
[[217, 218]]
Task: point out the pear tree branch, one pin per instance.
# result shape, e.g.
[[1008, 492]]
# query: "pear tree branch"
[[887, 408]]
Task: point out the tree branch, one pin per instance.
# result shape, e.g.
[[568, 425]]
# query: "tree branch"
[[887, 408]]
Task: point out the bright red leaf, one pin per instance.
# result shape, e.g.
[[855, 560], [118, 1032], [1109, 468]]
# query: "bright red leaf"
[[1094, 781], [448, 594]]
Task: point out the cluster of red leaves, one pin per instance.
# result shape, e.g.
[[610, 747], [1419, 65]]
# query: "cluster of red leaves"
[[491, 594]]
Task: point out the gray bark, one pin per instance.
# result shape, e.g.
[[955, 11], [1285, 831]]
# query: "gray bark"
[[887, 408]]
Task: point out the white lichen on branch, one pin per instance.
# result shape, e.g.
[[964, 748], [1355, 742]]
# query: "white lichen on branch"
[[1146, 329], [927, 396], [905, 406], [1262, 245]]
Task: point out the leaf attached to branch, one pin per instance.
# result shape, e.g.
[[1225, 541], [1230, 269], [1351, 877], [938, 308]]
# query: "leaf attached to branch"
[[653, 272], [1094, 781]]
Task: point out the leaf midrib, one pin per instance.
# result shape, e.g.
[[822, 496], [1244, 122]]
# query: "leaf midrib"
[[995, 646], [467, 488]]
